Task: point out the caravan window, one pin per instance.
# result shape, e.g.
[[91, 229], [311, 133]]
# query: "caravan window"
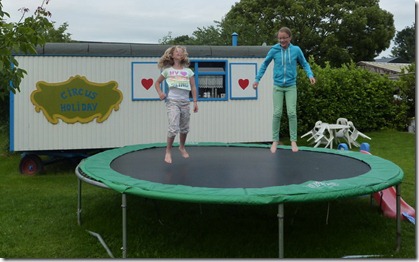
[[211, 79]]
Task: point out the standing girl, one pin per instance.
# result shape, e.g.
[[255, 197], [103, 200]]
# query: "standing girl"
[[285, 56], [180, 81]]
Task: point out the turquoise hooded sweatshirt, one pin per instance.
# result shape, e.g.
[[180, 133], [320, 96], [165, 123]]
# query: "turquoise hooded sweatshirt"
[[285, 65]]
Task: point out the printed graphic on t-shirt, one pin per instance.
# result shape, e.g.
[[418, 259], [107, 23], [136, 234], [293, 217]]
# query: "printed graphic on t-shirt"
[[178, 78]]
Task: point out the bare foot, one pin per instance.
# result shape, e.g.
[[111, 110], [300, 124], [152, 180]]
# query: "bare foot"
[[168, 158], [274, 146], [294, 146], [183, 152]]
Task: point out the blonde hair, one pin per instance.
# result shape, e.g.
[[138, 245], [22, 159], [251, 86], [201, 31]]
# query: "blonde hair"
[[167, 58]]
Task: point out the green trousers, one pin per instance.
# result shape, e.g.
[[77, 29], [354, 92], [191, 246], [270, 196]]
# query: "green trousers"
[[290, 95]]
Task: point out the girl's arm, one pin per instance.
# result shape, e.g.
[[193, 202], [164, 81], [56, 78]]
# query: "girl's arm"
[[193, 90], [161, 94], [262, 68], [306, 66]]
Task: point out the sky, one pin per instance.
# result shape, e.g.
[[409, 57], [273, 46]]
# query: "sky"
[[148, 21]]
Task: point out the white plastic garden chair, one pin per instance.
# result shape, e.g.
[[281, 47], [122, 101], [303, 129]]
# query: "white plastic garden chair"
[[354, 134], [323, 137], [342, 121], [313, 132], [342, 133]]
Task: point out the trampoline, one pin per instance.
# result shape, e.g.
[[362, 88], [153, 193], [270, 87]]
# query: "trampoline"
[[238, 174]]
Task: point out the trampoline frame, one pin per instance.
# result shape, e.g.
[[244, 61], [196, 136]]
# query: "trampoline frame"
[[281, 215]]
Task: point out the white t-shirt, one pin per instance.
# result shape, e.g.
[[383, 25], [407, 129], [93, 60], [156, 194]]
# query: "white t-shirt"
[[178, 82]]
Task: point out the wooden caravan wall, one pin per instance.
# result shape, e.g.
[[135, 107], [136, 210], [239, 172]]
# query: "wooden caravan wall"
[[136, 121]]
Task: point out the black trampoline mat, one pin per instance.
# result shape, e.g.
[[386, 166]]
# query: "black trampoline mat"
[[237, 167]]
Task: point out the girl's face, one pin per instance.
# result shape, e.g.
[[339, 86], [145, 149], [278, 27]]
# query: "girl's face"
[[178, 54], [284, 39]]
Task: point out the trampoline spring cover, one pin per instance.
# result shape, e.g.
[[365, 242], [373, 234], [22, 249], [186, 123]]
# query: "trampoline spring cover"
[[240, 173]]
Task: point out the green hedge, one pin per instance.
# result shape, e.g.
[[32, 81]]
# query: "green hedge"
[[364, 97]]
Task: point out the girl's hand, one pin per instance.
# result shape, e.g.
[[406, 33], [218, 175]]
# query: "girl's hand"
[[255, 85], [162, 96], [195, 107]]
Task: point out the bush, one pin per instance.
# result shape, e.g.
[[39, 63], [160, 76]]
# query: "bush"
[[4, 109], [407, 89], [364, 97]]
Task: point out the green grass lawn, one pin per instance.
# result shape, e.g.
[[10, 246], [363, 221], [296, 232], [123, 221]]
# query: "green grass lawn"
[[38, 219]]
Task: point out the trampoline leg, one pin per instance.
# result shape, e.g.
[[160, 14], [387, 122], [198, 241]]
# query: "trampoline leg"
[[124, 226], [327, 213], [79, 203], [281, 230], [398, 218]]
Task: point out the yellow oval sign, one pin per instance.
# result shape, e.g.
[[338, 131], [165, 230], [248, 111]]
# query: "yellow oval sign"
[[76, 100]]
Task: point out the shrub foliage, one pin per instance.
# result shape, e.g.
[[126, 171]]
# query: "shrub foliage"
[[366, 98]]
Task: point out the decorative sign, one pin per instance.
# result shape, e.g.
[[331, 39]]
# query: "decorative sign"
[[143, 76], [76, 100], [242, 76]]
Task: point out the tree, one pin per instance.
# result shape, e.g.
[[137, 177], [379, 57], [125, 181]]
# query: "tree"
[[211, 35], [329, 30], [20, 37], [202, 36], [405, 44], [167, 39], [58, 35], [407, 89], [332, 31]]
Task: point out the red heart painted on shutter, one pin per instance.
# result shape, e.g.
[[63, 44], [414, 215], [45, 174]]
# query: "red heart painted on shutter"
[[147, 83], [243, 83]]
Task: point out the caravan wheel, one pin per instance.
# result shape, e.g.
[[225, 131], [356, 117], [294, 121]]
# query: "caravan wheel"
[[30, 165]]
